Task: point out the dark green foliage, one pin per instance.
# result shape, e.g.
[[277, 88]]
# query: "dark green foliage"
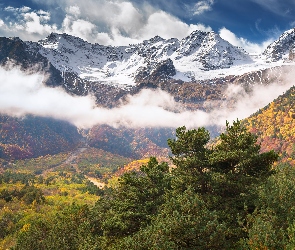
[[13, 177], [6, 195], [8, 221], [239, 155], [237, 168], [28, 194], [184, 222], [91, 188], [272, 224], [124, 210], [213, 198], [225, 176], [77, 178], [191, 159]]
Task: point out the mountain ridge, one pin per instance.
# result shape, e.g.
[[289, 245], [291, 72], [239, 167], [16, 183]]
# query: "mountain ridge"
[[105, 64]]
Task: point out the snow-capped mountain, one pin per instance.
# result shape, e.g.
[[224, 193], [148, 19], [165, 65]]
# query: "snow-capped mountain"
[[281, 49], [82, 68], [128, 65]]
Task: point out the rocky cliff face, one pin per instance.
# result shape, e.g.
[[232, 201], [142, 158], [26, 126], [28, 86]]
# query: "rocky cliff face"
[[160, 72], [15, 51]]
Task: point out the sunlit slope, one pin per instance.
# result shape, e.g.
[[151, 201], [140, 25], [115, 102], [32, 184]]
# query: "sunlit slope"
[[275, 124]]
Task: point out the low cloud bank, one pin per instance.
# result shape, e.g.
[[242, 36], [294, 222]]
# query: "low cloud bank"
[[22, 94]]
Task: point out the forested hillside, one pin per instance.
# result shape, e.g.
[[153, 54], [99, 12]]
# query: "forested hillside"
[[226, 196], [275, 125], [34, 136], [134, 143]]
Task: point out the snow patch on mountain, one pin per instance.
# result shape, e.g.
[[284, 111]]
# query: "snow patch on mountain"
[[199, 56], [281, 49], [193, 57]]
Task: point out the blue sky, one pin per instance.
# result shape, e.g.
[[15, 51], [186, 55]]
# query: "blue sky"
[[252, 24]]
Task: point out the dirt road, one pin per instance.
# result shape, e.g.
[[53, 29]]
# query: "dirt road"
[[71, 161]]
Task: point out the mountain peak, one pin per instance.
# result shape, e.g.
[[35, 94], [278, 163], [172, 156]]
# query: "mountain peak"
[[55, 40], [156, 39], [280, 49], [199, 33]]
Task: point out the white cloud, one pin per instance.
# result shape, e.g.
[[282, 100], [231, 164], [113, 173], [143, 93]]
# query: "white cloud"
[[126, 24], [35, 23], [104, 38], [77, 27], [74, 10], [252, 48], [125, 17], [22, 94], [170, 27], [107, 22], [25, 9], [28, 25], [45, 13], [11, 9], [115, 22], [203, 6]]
